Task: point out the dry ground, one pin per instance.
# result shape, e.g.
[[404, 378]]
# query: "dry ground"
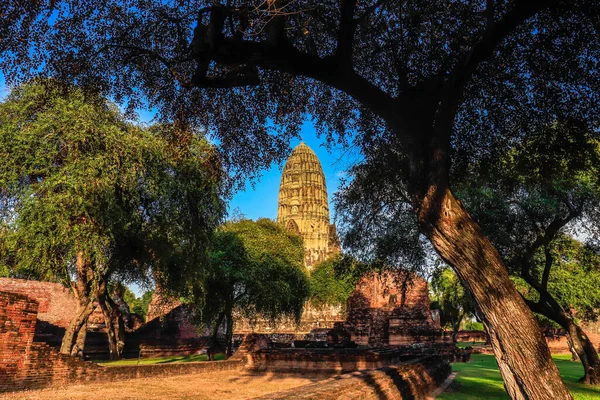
[[223, 385]]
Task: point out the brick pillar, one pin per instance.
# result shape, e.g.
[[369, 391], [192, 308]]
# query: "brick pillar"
[[18, 316]]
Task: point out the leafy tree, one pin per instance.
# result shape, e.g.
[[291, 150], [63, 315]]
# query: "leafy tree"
[[526, 200], [330, 286], [454, 302], [90, 199], [138, 305], [414, 80], [474, 326], [256, 271]]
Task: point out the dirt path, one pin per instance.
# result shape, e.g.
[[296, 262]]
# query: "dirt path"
[[224, 385]]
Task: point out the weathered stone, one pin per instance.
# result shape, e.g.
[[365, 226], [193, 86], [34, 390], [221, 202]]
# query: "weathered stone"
[[304, 207], [390, 309]]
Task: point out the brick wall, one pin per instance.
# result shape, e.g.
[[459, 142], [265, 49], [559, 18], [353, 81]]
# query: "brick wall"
[[25, 364], [56, 303], [558, 343], [412, 380]]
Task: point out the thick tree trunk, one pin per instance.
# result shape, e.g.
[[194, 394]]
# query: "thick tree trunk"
[[456, 328], [115, 328], [521, 351], [71, 343], [229, 334], [587, 354], [74, 340], [213, 340], [79, 346], [118, 324], [574, 355]]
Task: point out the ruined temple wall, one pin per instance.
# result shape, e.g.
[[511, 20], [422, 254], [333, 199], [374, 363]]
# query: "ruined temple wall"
[[27, 364], [56, 303], [313, 318], [391, 309]]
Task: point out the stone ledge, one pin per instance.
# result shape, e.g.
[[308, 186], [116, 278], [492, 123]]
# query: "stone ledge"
[[414, 380]]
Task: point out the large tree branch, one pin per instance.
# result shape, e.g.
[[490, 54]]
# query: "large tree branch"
[[549, 261], [548, 235], [346, 31], [494, 35], [286, 58]]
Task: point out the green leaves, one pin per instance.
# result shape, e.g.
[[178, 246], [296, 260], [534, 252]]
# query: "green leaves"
[[257, 268], [329, 285], [77, 177]]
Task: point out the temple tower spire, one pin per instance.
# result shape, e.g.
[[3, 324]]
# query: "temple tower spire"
[[303, 205]]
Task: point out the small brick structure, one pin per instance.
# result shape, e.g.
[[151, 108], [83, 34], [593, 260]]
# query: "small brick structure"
[[25, 364], [472, 336], [415, 379], [391, 308]]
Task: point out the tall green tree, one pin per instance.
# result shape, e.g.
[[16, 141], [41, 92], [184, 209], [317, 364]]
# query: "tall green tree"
[[256, 271], [331, 282], [454, 302], [526, 201], [413, 80], [89, 198]]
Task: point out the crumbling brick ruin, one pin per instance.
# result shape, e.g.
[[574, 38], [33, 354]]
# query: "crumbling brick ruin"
[[25, 363], [390, 309]]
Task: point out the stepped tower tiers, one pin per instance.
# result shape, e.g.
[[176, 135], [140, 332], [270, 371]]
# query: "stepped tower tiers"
[[303, 205]]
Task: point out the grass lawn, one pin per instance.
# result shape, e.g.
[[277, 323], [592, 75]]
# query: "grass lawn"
[[462, 345], [159, 360], [480, 379]]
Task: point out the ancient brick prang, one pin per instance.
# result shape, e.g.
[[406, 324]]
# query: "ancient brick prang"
[[304, 207], [390, 309]]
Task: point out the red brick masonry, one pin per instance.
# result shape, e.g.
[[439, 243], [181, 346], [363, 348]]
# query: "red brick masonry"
[[56, 303], [412, 380]]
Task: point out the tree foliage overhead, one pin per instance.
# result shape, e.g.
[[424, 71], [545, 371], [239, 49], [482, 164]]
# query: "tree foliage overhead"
[[548, 183], [234, 67]]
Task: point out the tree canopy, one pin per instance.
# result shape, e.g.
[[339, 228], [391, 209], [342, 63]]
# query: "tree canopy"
[[88, 197], [330, 283]]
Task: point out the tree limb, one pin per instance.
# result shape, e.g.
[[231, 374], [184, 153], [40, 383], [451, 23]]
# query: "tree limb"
[[346, 31], [494, 35]]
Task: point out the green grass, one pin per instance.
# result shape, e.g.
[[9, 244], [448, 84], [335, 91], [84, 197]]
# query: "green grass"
[[159, 360], [462, 345], [480, 379]]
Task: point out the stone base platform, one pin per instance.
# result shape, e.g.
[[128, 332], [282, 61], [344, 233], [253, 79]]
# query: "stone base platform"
[[329, 361]]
